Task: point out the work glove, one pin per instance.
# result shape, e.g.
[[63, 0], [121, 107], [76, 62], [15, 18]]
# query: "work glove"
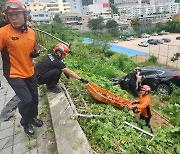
[[134, 108], [35, 53], [83, 80]]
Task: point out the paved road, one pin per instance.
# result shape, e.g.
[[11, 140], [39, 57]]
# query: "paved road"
[[13, 140]]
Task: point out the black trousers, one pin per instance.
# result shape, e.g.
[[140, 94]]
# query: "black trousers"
[[133, 90], [147, 120], [27, 91], [50, 78]]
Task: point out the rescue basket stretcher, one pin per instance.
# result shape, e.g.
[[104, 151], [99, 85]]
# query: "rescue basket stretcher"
[[108, 97]]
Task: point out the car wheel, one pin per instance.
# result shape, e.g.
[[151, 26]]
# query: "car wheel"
[[163, 88]]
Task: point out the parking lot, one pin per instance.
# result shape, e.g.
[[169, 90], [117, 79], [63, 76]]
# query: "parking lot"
[[164, 51]]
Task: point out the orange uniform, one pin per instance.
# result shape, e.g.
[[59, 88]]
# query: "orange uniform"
[[144, 106], [16, 47]]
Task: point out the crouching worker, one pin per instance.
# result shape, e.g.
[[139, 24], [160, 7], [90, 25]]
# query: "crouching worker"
[[143, 105], [49, 70]]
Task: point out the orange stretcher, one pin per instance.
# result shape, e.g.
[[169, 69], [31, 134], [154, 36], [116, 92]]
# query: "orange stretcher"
[[108, 97]]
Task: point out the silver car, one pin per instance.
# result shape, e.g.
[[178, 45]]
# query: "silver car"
[[143, 44]]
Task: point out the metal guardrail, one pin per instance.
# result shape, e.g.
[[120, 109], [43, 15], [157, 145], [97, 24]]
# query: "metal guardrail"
[[46, 39]]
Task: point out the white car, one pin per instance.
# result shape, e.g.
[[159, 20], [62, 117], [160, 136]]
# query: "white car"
[[163, 33], [115, 41], [131, 37], [145, 35], [143, 44], [155, 34]]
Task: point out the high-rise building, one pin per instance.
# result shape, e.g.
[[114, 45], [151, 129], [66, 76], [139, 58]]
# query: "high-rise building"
[[76, 6], [64, 6], [155, 2], [82, 7], [127, 2]]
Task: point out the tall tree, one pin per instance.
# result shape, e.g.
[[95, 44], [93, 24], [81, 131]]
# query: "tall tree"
[[135, 23], [96, 24], [114, 9], [112, 27], [111, 24], [57, 19], [173, 26]]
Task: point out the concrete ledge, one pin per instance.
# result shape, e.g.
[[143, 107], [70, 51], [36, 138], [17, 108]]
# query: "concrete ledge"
[[70, 138]]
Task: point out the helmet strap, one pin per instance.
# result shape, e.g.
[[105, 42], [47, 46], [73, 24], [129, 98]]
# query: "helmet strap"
[[60, 57]]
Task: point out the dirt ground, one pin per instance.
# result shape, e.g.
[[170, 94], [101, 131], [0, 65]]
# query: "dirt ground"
[[164, 51], [157, 120]]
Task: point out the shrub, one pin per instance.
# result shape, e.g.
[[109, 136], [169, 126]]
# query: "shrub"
[[152, 59]]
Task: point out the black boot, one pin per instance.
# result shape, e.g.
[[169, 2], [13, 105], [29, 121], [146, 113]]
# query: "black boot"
[[28, 129], [36, 122]]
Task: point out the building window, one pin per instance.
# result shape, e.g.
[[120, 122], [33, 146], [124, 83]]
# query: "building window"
[[41, 15]]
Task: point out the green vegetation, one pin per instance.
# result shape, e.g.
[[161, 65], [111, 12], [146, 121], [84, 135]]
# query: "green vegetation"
[[96, 24], [173, 26], [173, 108], [113, 28], [111, 135], [135, 23]]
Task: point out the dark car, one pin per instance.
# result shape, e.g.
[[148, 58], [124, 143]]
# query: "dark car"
[[178, 38], [158, 78], [166, 40], [152, 41]]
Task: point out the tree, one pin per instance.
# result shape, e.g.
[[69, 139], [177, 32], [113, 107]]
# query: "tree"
[[57, 19], [96, 24], [177, 1], [112, 27], [159, 26], [114, 9], [173, 26], [135, 23], [111, 24]]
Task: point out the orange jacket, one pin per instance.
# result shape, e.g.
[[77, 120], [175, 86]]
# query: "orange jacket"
[[16, 47], [144, 106]]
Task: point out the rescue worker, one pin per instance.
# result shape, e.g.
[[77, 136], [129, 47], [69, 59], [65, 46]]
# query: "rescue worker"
[[143, 105], [140, 79], [17, 46], [49, 70], [133, 82]]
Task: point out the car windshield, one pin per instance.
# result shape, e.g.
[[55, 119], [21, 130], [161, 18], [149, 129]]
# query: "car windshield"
[[148, 72], [159, 72]]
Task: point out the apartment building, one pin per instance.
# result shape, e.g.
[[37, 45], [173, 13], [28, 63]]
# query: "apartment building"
[[127, 12], [64, 7], [36, 5], [127, 2], [45, 12], [53, 8], [156, 2], [39, 11]]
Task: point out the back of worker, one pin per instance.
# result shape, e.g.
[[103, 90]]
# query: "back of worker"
[[49, 69]]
